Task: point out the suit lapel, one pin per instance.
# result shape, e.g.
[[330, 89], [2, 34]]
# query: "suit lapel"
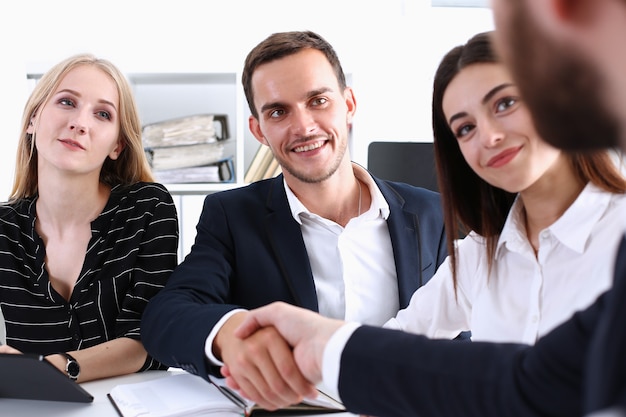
[[288, 246], [404, 232]]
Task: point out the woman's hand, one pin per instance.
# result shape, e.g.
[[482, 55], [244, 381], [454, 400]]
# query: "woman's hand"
[[115, 357], [8, 349]]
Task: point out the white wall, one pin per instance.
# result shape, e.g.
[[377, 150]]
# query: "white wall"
[[391, 47]]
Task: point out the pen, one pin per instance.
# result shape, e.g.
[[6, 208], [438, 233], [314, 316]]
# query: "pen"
[[230, 394]]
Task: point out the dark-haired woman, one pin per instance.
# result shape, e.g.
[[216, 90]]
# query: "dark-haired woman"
[[544, 224]]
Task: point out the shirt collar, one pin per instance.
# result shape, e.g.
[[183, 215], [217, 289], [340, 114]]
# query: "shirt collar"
[[379, 206], [572, 229]]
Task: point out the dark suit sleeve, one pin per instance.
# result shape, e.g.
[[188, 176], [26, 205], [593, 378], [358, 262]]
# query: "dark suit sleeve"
[[248, 252], [180, 317], [391, 373], [605, 385]]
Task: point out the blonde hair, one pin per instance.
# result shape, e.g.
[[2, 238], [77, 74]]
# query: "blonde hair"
[[130, 167]]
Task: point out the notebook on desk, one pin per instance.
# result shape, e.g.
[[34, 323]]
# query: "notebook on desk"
[[32, 377], [185, 394]]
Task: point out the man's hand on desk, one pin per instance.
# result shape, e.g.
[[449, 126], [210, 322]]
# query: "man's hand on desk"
[[305, 331], [260, 365]]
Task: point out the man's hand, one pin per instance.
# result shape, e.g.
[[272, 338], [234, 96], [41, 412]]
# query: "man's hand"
[[261, 366], [305, 331]]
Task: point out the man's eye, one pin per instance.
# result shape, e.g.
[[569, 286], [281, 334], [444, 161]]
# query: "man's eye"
[[276, 113], [319, 101]]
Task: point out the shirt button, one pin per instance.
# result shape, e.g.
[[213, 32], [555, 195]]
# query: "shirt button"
[[75, 337], [535, 319]]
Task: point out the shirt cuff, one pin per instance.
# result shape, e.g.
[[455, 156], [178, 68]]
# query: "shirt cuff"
[[208, 345], [331, 360]]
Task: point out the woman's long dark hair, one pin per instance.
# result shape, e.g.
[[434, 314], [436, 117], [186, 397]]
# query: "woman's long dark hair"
[[469, 202]]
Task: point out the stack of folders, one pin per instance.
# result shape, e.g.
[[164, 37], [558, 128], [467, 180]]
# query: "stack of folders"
[[220, 171], [188, 395], [189, 149], [263, 165]]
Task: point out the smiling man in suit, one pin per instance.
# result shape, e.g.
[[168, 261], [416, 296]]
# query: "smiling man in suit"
[[325, 235], [569, 61]]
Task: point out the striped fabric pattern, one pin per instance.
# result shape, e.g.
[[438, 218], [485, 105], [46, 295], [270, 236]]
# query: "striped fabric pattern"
[[133, 250]]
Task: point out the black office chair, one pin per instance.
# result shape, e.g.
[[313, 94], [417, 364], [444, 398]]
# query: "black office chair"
[[410, 162]]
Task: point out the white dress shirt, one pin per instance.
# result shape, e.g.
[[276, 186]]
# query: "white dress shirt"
[[331, 360], [353, 268], [524, 296]]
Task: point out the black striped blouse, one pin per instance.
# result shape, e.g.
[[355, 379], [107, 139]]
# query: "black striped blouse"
[[130, 256]]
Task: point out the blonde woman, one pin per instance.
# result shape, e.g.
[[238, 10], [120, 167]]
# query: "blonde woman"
[[87, 237]]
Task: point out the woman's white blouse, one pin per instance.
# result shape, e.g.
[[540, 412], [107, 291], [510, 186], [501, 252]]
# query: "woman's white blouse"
[[523, 297]]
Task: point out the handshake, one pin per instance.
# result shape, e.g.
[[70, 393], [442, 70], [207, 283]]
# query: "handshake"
[[275, 353]]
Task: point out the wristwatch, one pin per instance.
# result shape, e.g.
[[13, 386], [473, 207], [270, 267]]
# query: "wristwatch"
[[72, 368]]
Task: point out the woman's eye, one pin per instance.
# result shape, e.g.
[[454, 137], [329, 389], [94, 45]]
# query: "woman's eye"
[[463, 131], [505, 103], [66, 101], [104, 114]]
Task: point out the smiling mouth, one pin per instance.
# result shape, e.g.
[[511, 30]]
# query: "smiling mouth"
[[309, 147], [503, 157]]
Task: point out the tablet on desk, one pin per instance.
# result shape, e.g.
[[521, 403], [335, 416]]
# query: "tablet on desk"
[[32, 377]]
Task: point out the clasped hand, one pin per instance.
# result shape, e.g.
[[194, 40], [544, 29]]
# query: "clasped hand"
[[274, 354]]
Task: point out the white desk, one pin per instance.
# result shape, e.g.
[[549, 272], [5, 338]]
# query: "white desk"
[[101, 406]]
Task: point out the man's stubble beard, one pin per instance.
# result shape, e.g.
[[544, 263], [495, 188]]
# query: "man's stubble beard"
[[301, 176]]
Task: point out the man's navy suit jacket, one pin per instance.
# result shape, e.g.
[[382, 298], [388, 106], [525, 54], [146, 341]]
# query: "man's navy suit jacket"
[[576, 369], [249, 252]]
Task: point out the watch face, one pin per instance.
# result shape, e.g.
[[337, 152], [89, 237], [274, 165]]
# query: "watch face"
[[73, 369]]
